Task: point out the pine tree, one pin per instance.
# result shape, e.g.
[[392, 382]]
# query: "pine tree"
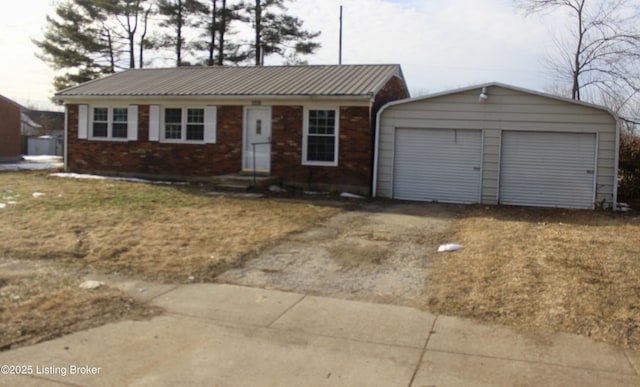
[[277, 33], [214, 38], [178, 15], [75, 40], [89, 38]]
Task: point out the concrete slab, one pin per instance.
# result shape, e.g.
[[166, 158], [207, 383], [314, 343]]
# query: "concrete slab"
[[634, 359], [201, 353], [233, 336], [235, 304], [453, 369], [463, 336], [140, 290], [375, 323]]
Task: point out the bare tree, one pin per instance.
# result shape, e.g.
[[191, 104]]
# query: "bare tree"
[[599, 57]]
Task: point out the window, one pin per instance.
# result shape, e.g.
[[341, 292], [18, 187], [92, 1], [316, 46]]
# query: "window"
[[321, 137], [119, 123], [110, 122], [184, 124], [100, 122]]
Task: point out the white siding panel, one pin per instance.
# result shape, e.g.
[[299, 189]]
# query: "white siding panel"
[[548, 169], [437, 165]]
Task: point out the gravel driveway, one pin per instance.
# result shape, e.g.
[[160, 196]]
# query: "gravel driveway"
[[379, 252]]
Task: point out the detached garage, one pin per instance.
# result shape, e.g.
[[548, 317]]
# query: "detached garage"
[[497, 144]]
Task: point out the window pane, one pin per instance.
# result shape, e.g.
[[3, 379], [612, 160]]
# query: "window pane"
[[120, 114], [195, 115], [173, 124], [99, 129], [173, 131], [119, 130], [322, 121], [195, 132], [321, 148], [100, 114], [173, 116]]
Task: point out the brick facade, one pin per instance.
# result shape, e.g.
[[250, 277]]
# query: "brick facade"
[[10, 137], [145, 158]]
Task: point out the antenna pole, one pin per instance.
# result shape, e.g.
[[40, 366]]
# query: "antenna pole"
[[340, 53]]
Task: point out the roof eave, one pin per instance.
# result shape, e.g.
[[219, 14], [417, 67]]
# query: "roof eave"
[[74, 98]]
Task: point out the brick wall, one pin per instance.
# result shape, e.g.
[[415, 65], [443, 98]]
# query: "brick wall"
[[10, 139], [143, 157], [354, 157]]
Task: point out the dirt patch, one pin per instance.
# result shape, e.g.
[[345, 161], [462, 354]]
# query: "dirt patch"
[[544, 271], [377, 252]]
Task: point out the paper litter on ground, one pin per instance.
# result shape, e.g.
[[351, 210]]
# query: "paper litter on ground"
[[449, 247]]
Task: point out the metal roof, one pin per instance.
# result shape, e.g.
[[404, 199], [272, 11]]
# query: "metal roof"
[[317, 80]]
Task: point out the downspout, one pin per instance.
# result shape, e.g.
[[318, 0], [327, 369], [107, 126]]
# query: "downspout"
[[376, 145], [372, 103]]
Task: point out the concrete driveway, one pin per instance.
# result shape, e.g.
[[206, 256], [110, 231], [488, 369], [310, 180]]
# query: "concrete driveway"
[[226, 335], [379, 252]]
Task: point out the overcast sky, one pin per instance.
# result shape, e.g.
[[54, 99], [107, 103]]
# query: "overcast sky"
[[441, 44]]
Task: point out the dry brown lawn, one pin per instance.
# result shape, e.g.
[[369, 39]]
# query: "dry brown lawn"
[[544, 271], [167, 233], [536, 270], [54, 231]]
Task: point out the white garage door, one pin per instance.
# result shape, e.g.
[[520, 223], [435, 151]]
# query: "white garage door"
[[437, 165], [548, 169]]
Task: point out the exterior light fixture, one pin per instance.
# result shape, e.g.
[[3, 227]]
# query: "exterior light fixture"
[[484, 95]]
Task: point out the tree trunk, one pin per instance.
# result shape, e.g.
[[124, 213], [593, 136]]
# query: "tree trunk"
[[222, 28], [258, 43], [212, 41], [143, 36], [112, 60], [575, 87], [179, 35]]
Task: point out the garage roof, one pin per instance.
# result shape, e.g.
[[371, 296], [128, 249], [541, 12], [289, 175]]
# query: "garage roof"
[[321, 80], [497, 84]]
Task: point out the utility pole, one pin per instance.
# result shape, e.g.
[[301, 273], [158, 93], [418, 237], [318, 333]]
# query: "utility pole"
[[340, 49]]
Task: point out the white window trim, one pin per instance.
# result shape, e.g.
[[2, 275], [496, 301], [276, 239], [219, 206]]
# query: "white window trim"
[[109, 136], [209, 132], [305, 136]]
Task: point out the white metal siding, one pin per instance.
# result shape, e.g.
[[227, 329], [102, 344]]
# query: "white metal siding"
[[548, 169], [437, 165]]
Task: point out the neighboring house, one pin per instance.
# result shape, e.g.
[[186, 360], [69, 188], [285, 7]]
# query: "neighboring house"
[[312, 126], [19, 126], [48, 137], [497, 144], [13, 121]]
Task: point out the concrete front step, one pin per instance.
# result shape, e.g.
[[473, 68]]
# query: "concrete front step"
[[243, 182]]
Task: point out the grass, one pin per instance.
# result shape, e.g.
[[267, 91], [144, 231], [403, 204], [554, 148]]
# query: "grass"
[[534, 269], [50, 241], [166, 233], [544, 271]]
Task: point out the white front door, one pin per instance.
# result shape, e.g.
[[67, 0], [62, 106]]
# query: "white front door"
[[257, 139]]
